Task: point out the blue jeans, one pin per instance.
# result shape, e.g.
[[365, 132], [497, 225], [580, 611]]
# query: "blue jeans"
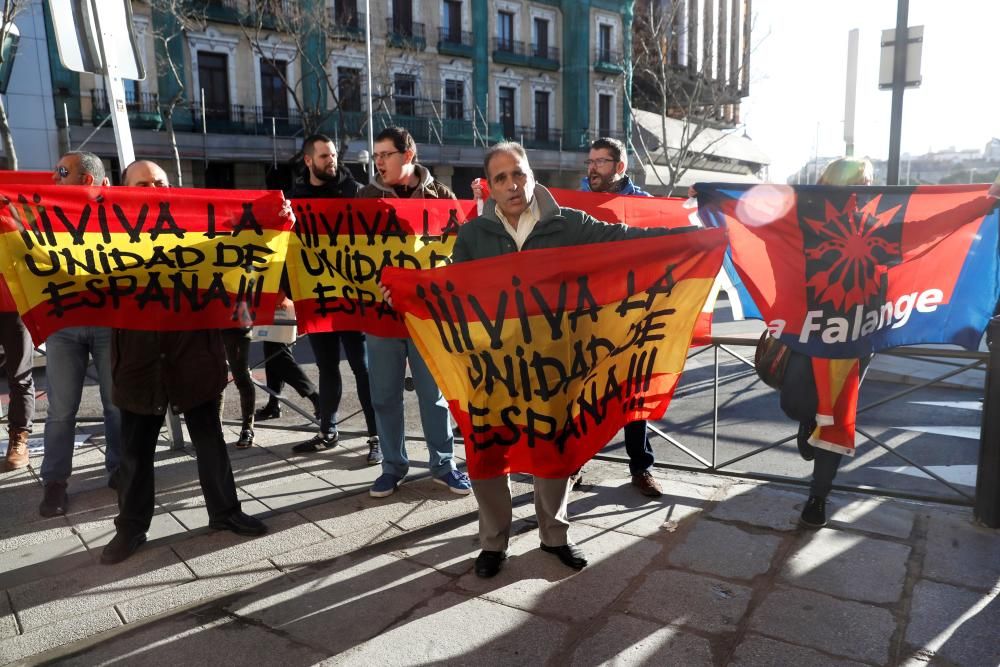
[[386, 370], [67, 351]]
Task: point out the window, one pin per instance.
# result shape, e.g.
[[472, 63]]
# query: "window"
[[213, 75], [402, 17], [346, 13], [273, 93], [541, 30], [506, 111], [349, 88], [505, 31], [604, 44], [405, 94], [605, 105], [454, 99], [131, 93], [541, 115], [452, 22]]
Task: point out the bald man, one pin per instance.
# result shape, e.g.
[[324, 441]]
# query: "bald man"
[[185, 370]]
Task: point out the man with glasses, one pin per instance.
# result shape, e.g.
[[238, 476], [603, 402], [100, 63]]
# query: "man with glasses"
[[606, 166], [67, 352], [160, 370], [399, 176]]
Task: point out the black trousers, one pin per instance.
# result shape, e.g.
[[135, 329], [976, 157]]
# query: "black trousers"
[[281, 367], [237, 343], [326, 348], [18, 352], [136, 483]]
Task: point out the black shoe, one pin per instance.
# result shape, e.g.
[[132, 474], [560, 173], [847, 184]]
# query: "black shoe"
[[814, 513], [241, 524], [408, 384], [488, 563], [806, 451], [569, 554], [246, 439], [121, 547], [55, 500], [114, 478], [316, 443], [269, 411]]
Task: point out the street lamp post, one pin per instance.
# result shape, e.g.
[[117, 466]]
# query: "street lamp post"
[[368, 68]]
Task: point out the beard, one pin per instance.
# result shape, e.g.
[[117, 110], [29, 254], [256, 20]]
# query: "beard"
[[599, 183], [323, 175]]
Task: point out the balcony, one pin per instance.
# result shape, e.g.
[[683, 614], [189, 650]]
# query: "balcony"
[[607, 61], [454, 43], [542, 57], [509, 52], [541, 138], [143, 113], [349, 26], [403, 35], [224, 11]]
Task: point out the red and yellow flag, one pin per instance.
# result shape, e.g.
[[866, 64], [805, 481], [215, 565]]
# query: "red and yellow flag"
[[141, 258], [341, 246], [544, 355]]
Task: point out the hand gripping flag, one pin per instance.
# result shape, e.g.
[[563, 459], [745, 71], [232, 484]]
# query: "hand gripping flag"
[[842, 272], [544, 355], [141, 258], [341, 246]]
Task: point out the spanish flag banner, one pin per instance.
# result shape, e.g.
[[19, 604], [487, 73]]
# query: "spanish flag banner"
[[141, 258], [25, 177], [341, 246], [544, 355]]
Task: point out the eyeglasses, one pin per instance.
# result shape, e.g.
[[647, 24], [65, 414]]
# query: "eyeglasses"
[[62, 171], [385, 156], [600, 162]]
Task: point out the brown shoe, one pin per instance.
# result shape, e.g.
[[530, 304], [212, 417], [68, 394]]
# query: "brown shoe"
[[647, 485], [17, 450]]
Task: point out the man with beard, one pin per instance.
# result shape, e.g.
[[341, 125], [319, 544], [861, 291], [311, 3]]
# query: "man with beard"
[[324, 177]]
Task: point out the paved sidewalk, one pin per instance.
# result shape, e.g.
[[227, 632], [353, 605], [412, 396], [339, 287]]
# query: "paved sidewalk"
[[714, 573]]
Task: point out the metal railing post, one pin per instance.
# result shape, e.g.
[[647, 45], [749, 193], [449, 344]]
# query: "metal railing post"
[[987, 504]]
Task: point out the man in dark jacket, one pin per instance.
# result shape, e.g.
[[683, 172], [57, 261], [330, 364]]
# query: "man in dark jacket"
[[606, 166], [325, 179], [521, 215], [185, 371]]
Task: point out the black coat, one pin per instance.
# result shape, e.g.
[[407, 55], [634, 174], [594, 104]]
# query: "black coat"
[[344, 186]]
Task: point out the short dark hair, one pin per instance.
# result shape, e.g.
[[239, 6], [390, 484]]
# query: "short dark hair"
[[400, 138], [502, 147], [616, 148], [90, 164], [310, 141]]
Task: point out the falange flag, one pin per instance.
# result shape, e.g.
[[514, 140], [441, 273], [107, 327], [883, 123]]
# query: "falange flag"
[[841, 272]]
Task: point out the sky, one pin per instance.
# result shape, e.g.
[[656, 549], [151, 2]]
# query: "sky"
[[798, 79]]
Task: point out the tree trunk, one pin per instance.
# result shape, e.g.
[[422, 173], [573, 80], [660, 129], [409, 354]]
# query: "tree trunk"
[[8, 140], [168, 120]]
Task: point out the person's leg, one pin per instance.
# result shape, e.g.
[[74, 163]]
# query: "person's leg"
[[495, 512], [100, 349], [274, 354], [387, 366], [296, 377], [237, 345], [19, 355], [357, 357], [825, 467], [67, 354], [640, 452], [214, 469], [550, 509], [136, 482], [326, 349], [434, 415]]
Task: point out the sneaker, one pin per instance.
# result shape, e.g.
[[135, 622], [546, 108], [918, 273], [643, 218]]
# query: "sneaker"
[[316, 443], [457, 482], [814, 513], [647, 484], [384, 486], [374, 451], [576, 479]]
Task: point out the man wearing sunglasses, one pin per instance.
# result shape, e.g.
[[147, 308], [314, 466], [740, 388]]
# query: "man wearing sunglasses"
[[67, 352], [156, 371], [606, 166]]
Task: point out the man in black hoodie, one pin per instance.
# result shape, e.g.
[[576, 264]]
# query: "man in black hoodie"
[[324, 177]]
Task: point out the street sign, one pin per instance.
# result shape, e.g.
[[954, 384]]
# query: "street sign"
[[914, 47], [96, 36]]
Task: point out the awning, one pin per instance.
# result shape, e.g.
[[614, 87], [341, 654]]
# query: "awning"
[[692, 176], [732, 145]]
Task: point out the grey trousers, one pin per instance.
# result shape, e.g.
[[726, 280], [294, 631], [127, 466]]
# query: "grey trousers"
[[496, 511]]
